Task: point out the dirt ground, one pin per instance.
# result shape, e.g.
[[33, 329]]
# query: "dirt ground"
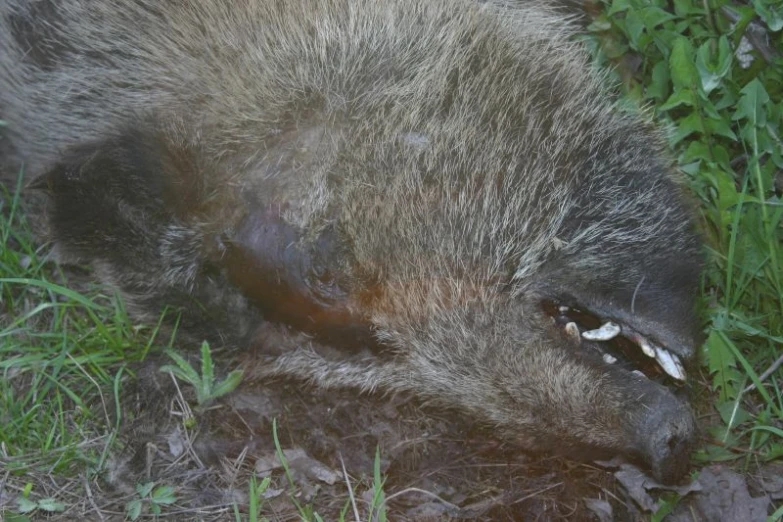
[[438, 465]]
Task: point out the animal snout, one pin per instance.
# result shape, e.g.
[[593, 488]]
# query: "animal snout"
[[667, 436]]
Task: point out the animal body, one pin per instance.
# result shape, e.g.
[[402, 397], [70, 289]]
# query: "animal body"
[[433, 196]]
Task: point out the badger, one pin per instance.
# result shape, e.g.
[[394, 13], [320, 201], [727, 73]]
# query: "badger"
[[437, 197]]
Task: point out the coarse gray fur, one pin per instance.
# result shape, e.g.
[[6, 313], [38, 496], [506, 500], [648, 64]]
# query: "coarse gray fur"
[[442, 167]]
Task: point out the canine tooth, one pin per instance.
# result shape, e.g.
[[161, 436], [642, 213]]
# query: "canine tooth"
[[647, 348], [678, 365], [572, 330], [608, 359], [668, 363], [606, 332]]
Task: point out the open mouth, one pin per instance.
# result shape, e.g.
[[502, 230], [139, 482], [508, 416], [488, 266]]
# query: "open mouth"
[[617, 343]]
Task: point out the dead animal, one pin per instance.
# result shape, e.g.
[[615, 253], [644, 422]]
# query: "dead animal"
[[433, 196]]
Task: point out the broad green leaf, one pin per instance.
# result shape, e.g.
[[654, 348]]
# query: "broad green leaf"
[[618, 6], [727, 194], [682, 97], [664, 40], [752, 104], [728, 99], [722, 364], [712, 71], [721, 127], [144, 489], [658, 88], [683, 7], [51, 505], [655, 16], [722, 158], [697, 150], [164, 495], [634, 26], [686, 126], [681, 65], [709, 109], [733, 414], [133, 509], [766, 143], [691, 169], [26, 505]]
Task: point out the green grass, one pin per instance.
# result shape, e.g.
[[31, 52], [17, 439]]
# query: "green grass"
[[62, 359], [64, 356]]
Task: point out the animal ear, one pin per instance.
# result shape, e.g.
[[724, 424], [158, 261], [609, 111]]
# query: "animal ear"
[[106, 197]]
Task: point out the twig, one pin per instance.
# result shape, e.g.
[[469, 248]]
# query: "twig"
[[536, 493], [451, 507], [350, 490], [764, 376], [90, 497]]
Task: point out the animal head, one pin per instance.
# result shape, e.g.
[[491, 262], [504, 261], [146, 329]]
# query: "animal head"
[[444, 194]]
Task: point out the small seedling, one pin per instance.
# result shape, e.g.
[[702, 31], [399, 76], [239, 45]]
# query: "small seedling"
[[257, 498], [378, 507], [47, 505], [668, 503], [207, 390], [151, 499]]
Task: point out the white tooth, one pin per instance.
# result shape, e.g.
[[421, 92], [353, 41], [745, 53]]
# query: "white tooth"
[[608, 359], [606, 332], [572, 330], [639, 373], [647, 348], [678, 364], [563, 309], [667, 362]]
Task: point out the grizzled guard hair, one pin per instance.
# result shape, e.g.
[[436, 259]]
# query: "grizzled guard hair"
[[434, 196]]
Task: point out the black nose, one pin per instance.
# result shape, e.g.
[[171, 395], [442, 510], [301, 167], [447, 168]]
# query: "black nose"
[[668, 437]]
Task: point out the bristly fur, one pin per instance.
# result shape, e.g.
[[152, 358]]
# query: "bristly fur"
[[435, 167]]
